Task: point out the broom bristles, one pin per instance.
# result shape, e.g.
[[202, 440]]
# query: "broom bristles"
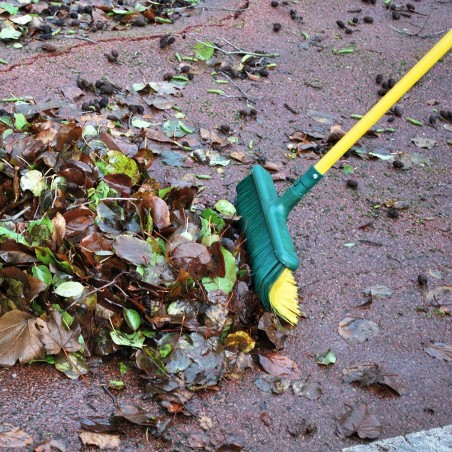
[[273, 282]]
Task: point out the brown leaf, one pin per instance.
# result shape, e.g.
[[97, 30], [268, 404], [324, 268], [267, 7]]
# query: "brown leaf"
[[357, 330], [72, 92], [133, 249], [441, 295], [93, 243], [58, 337], [134, 414], [59, 229], [19, 338], [12, 252], [213, 137], [274, 331], [120, 182], [279, 366], [192, 257], [67, 134], [336, 133], [13, 437], [440, 350], [375, 377], [159, 212], [99, 424], [101, 440], [358, 420]]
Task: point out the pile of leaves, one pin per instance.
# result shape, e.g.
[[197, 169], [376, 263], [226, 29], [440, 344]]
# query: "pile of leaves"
[[43, 20], [97, 257]]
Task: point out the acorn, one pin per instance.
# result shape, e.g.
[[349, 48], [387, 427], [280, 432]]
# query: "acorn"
[[422, 279], [276, 27], [225, 128], [393, 213], [352, 183], [49, 48], [398, 164], [397, 110], [140, 21]]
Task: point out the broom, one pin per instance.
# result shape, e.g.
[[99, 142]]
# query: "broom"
[[264, 214]]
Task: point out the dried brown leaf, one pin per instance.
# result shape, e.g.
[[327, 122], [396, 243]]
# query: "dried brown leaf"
[[101, 440], [14, 437], [19, 338], [58, 336], [279, 366], [358, 420]]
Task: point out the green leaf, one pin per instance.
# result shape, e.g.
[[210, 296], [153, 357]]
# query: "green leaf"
[[118, 163], [227, 283], [415, 122], [132, 318], [34, 181], [10, 33], [225, 207], [140, 123], [123, 368], [213, 218], [329, 357], [165, 350], [129, 340], [9, 8], [116, 384], [43, 274], [2, 61], [8, 234], [69, 289], [348, 169], [20, 121], [22, 20], [175, 129], [204, 50], [72, 365]]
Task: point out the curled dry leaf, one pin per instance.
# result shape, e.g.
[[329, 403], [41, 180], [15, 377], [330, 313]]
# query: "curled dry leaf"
[[336, 133], [358, 420], [159, 212], [374, 376], [19, 338], [272, 328], [279, 366]]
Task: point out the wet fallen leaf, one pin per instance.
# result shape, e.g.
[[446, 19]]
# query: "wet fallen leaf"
[[51, 445], [271, 384], [336, 133], [279, 366], [266, 419], [14, 437], [378, 291], [373, 375], [357, 330], [323, 118], [420, 160], [358, 420], [440, 350], [19, 338], [99, 424], [273, 329], [133, 249], [422, 142], [310, 389], [101, 440]]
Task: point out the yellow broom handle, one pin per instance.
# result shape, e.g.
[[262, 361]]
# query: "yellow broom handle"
[[385, 103]]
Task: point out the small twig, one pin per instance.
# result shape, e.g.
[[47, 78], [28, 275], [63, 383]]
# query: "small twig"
[[292, 110], [238, 87], [15, 217], [238, 50], [80, 37], [417, 35]]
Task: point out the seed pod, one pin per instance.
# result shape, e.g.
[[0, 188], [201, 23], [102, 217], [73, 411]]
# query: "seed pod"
[[340, 24], [368, 20]]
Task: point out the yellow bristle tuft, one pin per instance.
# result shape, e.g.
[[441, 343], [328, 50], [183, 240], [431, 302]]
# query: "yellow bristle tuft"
[[284, 297]]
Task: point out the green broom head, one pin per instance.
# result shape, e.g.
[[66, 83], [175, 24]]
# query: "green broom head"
[[270, 248]]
